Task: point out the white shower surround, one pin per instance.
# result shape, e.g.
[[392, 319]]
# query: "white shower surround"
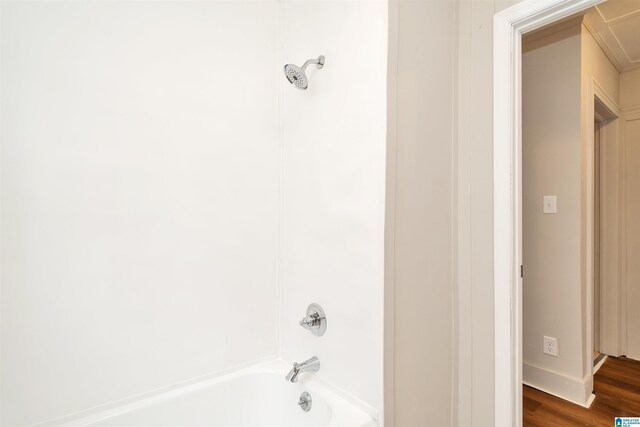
[[334, 137], [204, 162]]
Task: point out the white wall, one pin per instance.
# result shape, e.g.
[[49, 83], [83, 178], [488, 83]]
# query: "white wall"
[[139, 197], [420, 191], [561, 69], [551, 139], [597, 67], [630, 102], [334, 175], [630, 89], [632, 138], [473, 269]]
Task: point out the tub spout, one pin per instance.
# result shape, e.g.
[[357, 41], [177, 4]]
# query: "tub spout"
[[311, 365]]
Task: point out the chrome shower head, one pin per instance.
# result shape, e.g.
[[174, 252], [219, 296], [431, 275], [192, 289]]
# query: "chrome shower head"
[[297, 76]]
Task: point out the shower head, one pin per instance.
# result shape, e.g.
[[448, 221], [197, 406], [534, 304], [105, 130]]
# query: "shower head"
[[297, 76]]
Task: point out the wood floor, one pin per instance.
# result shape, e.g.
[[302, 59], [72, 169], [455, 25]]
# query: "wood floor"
[[617, 390]]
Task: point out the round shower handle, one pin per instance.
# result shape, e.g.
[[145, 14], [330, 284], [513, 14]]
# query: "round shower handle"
[[315, 320]]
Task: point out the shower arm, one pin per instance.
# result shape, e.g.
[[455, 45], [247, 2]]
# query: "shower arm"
[[319, 62]]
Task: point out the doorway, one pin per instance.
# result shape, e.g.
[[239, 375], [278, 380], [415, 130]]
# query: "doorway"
[[602, 276], [570, 176], [509, 26], [617, 250], [607, 208], [597, 356]]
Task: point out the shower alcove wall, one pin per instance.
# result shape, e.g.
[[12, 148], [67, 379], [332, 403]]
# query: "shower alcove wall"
[[170, 205]]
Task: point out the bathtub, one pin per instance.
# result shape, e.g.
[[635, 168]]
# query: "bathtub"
[[254, 396]]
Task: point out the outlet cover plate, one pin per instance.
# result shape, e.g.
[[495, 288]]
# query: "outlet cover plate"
[[550, 346]]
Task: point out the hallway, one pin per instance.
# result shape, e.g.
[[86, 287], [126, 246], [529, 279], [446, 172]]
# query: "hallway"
[[617, 390]]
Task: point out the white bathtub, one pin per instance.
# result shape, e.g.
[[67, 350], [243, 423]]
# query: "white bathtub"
[[254, 396]]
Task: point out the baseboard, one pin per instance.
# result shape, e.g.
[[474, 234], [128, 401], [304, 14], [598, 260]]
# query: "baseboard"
[[599, 364], [575, 390]]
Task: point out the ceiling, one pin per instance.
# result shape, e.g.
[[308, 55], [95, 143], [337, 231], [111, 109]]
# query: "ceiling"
[[615, 24]]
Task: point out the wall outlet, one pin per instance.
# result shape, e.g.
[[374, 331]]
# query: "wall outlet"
[[550, 346]]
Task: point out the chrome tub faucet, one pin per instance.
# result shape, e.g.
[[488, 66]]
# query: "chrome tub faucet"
[[311, 365]]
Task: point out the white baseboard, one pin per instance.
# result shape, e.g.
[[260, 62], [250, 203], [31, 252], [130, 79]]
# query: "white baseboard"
[[575, 390], [599, 365]]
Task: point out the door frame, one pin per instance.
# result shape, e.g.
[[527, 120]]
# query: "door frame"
[[508, 27], [612, 289]]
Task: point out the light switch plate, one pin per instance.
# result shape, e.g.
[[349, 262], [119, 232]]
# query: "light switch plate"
[[549, 204]]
